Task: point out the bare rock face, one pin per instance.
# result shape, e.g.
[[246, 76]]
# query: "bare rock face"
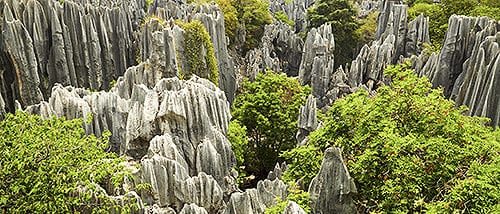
[[478, 86], [256, 200], [48, 42], [212, 18], [317, 64], [333, 188], [308, 121], [295, 10], [293, 208], [467, 66], [366, 7], [175, 129], [279, 50]]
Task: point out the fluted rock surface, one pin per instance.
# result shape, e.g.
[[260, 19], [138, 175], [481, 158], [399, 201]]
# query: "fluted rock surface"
[[175, 128], [308, 121], [317, 64], [256, 200], [333, 188], [279, 50], [295, 10], [47, 42], [213, 20], [293, 208]]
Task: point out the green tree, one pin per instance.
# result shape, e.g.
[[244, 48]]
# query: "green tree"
[[410, 149], [268, 108], [342, 16], [253, 15], [199, 52], [42, 162]]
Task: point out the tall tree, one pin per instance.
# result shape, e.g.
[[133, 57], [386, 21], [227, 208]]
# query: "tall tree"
[[342, 16], [268, 108]]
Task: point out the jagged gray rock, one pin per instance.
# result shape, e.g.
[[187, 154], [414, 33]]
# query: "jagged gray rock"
[[69, 43], [192, 209], [478, 86], [279, 50], [392, 20], [175, 128], [333, 188], [308, 121], [293, 208], [212, 18], [366, 7], [295, 10], [255, 201], [317, 64]]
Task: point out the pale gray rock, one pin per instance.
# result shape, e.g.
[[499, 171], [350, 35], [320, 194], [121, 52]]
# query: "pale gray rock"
[[155, 209], [192, 209], [366, 7], [317, 64], [256, 200], [333, 188], [392, 20], [83, 44], [418, 33], [293, 208], [279, 50], [295, 10], [308, 121], [478, 86]]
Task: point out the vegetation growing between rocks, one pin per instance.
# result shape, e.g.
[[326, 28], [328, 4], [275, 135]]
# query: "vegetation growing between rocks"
[[342, 16], [43, 162], [280, 16], [301, 197], [268, 109], [439, 13], [410, 150], [199, 52]]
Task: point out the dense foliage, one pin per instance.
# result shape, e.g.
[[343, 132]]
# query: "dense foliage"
[[199, 52], [42, 162], [248, 15], [439, 13], [268, 108], [342, 16], [409, 149], [301, 197]]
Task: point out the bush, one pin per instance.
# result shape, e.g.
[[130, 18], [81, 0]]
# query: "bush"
[[254, 15], [231, 22], [43, 161], [366, 30], [280, 16], [199, 52], [300, 197], [408, 148], [341, 15], [268, 108]]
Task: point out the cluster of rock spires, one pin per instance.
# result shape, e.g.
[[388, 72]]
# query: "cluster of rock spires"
[[175, 130]]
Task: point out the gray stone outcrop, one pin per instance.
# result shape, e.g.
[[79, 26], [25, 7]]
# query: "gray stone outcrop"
[[333, 188], [308, 121], [256, 200], [293, 208], [47, 42]]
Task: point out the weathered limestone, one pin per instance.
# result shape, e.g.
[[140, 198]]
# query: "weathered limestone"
[[254, 201], [333, 188], [68, 43], [175, 129], [317, 64], [279, 50], [293, 208], [295, 10], [308, 121]]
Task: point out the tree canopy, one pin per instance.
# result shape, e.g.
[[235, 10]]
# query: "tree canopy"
[[342, 16], [268, 108], [409, 149], [42, 162]]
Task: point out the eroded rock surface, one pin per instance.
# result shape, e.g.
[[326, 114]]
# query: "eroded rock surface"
[[333, 188]]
